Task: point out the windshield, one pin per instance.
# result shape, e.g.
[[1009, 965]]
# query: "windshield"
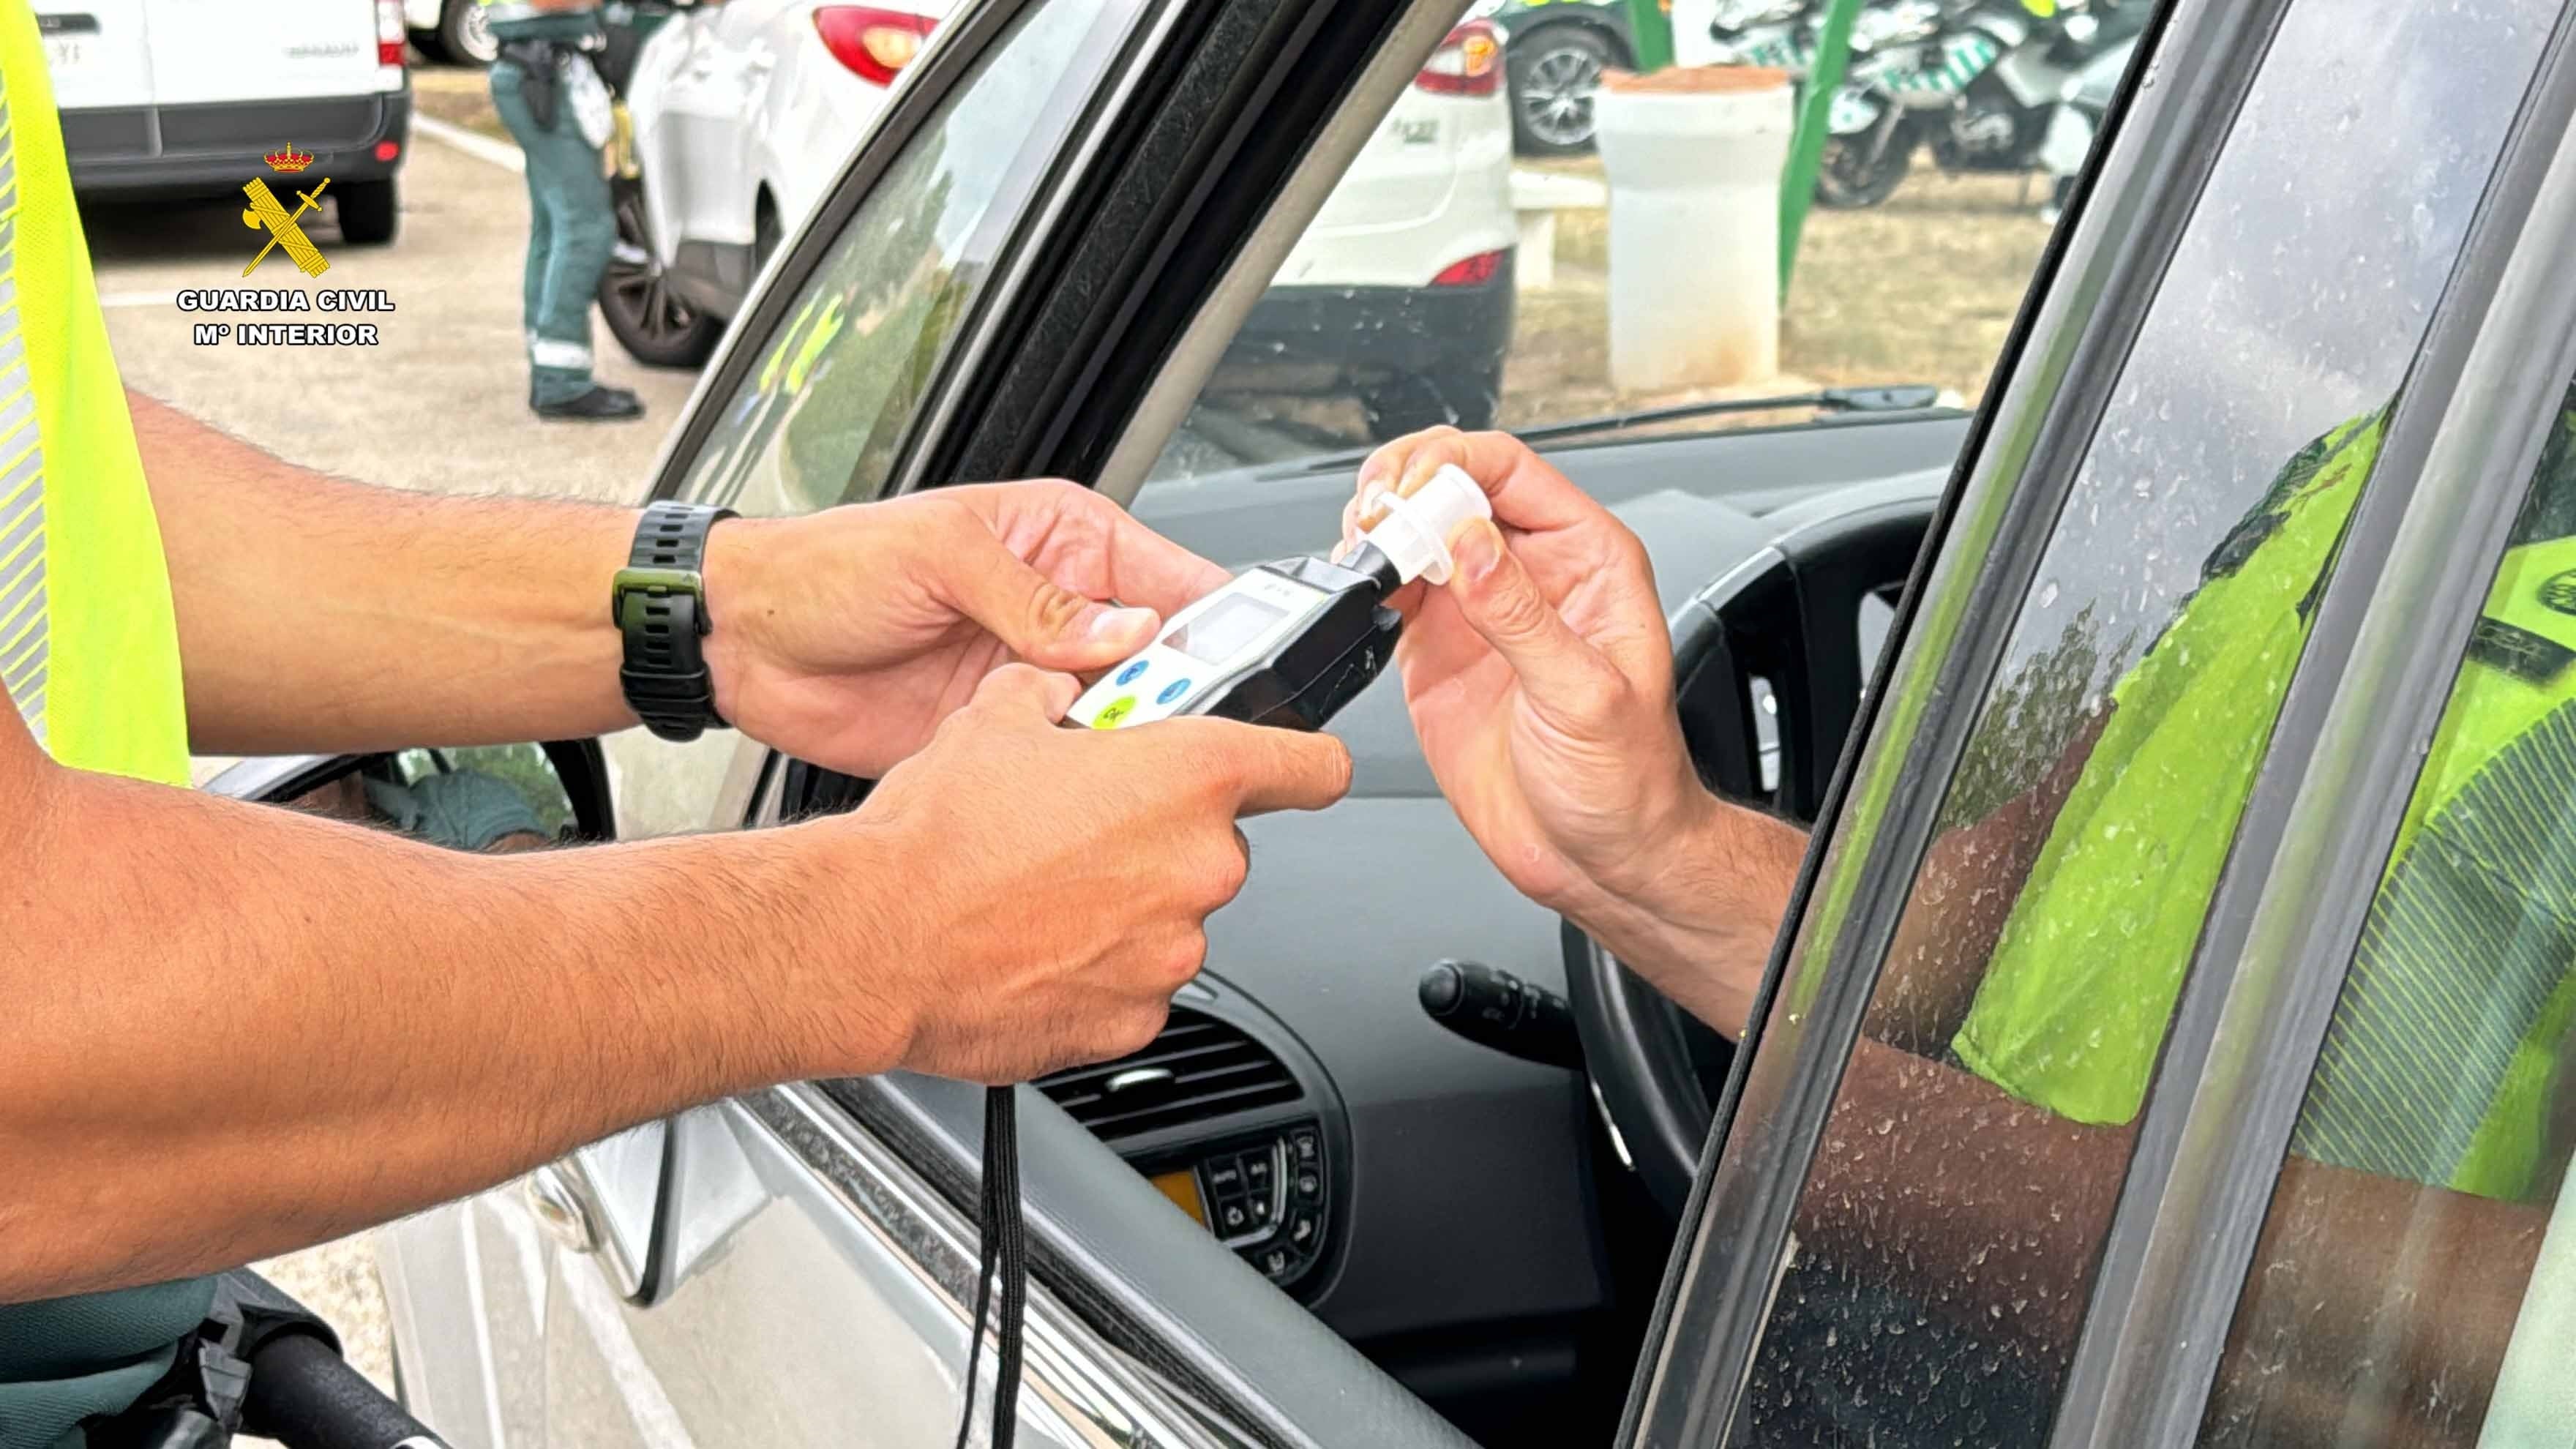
[[1522, 243]]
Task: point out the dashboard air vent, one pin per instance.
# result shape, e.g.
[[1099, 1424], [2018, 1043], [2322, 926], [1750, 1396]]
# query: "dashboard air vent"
[[1196, 1069]]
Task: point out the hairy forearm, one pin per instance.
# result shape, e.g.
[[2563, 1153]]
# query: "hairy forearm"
[[1702, 928], [204, 1062], [317, 614]]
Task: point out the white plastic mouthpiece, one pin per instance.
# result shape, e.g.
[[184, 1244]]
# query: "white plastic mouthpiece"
[[1416, 531]]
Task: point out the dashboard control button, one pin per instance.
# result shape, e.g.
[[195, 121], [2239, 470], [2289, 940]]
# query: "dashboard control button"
[[1303, 1228], [1234, 1217], [1304, 1146], [1259, 1208], [1256, 1170], [1275, 1262], [1310, 1185], [1224, 1177]]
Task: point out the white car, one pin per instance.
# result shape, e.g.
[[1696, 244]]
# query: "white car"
[[181, 98], [744, 112]]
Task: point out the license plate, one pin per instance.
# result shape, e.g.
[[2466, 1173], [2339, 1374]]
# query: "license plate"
[[67, 52], [1416, 132]]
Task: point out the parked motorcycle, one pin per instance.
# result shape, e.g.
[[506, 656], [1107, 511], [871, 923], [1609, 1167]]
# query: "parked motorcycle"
[[1979, 92], [1784, 34]]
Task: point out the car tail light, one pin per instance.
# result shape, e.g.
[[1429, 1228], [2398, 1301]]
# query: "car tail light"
[[390, 32], [1468, 63], [1473, 271], [876, 44]]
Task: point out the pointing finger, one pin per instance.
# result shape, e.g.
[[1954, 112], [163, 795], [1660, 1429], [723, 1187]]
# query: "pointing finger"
[[1266, 768]]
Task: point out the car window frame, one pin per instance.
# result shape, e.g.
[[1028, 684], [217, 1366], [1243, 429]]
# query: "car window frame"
[[1719, 1287]]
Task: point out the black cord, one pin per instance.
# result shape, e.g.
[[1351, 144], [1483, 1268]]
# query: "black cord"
[[1002, 1247]]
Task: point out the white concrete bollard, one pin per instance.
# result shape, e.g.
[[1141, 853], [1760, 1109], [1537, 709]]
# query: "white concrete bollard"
[[1693, 157]]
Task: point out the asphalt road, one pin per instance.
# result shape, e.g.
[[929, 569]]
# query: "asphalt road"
[[439, 404]]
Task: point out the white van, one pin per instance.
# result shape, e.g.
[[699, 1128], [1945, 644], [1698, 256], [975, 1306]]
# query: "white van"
[[189, 97]]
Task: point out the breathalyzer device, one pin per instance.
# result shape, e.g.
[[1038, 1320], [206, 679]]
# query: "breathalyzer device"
[[1290, 642]]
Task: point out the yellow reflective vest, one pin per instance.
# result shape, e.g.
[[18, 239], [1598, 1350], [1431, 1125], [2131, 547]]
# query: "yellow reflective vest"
[[89, 654]]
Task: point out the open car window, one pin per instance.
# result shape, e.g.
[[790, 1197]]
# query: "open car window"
[[1448, 280]]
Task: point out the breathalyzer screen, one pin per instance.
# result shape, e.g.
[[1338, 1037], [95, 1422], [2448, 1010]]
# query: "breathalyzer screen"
[[1229, 624]]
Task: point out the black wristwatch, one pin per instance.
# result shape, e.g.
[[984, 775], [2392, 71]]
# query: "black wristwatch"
[[659, 604]]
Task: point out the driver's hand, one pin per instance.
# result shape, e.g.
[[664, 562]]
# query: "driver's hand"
[[1540, 679]]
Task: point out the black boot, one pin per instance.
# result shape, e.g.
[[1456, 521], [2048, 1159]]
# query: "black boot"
[[599, 405]]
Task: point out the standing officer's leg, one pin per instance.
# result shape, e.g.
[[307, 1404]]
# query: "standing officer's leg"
[[513, 109], [585, 232], [573, 229], [532, 275]]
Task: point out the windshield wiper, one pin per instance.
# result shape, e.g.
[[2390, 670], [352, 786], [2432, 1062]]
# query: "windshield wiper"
[[1899, 398]]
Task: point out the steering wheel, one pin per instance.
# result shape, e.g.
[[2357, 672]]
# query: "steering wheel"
[[1769, 674]]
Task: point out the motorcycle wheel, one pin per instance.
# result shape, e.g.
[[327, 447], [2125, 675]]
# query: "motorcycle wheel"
[[1848, 179], [648, 319]]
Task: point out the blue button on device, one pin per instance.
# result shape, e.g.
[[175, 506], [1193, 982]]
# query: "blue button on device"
[[1128, 674], [1173, 691]]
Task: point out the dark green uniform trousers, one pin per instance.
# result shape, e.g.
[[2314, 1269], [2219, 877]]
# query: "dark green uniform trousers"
[[571, 229]]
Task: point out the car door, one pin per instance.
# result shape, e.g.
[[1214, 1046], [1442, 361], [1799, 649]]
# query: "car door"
[[2002, 1177], [697, 93]]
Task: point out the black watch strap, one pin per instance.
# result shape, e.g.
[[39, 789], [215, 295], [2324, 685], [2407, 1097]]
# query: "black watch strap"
[[659, 603]]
